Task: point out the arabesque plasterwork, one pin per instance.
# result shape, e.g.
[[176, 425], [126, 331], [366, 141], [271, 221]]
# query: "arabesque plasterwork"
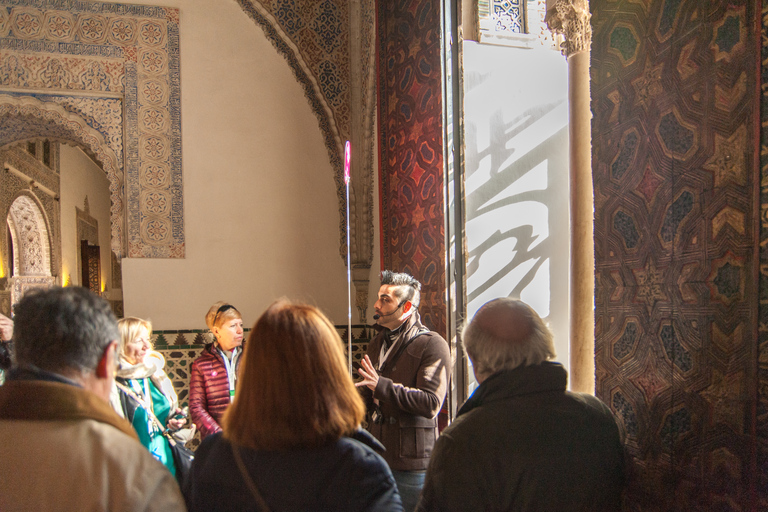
[[104, 76]]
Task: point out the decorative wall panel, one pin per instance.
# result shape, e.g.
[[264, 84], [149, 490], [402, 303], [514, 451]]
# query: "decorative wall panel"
[[411, 149], [761, 428], [14, 188], [676, 239], [104, 76]]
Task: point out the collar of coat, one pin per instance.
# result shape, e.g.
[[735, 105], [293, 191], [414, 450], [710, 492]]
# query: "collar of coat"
[[367, 439], [213, 349], [36, 400], [523, 380], [408, 330]]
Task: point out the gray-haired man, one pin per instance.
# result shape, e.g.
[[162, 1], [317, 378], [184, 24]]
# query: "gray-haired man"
[[521, 441], [64, 447]]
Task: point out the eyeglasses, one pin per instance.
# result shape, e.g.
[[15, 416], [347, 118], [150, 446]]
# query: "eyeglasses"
[[223, 308]]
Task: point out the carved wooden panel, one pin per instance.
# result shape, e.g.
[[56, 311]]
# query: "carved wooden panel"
[[676, 235]]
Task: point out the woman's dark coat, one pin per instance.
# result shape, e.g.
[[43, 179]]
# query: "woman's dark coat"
[[344, 475]]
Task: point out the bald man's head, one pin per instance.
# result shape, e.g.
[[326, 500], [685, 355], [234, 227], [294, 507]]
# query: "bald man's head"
[[504, 334]]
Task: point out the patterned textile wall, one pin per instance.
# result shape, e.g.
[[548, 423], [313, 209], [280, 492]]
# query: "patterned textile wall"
[[411, 149], [674, 97], [105, 76]]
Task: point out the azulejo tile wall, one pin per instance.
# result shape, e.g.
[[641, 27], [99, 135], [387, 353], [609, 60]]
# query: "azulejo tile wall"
[[105, 76]]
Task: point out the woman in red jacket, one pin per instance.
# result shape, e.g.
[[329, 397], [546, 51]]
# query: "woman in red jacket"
[[214, 373]]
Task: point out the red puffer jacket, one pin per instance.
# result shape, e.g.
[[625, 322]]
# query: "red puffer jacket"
[[209, 390]]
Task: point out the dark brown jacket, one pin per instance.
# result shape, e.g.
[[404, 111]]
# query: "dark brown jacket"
[[412, 387]]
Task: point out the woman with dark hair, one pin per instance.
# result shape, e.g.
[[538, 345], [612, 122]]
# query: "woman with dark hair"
[[214, 373], [292, 438]]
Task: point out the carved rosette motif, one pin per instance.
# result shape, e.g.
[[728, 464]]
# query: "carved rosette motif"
[[571, 19]]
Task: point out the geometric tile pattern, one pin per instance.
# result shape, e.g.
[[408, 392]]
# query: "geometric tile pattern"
[[411, 149], [678, 224], [105, 76], [181, 347]]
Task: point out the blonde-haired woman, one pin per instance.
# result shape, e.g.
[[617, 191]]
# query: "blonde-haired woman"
[[292, 438], [144, 393], [214, 373]]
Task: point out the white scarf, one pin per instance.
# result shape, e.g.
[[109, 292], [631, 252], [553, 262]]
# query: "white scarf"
[[152, 367]]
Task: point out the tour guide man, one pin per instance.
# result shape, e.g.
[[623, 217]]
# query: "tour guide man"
[[405, 374]]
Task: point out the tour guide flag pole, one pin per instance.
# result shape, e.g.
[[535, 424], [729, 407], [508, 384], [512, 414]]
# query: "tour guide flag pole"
[[349, 267]]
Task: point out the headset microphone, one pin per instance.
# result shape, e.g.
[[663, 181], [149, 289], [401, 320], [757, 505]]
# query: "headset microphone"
[[377, 316]]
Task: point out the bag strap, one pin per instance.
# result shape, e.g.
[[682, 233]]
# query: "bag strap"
[[263, 507], [164, 431]]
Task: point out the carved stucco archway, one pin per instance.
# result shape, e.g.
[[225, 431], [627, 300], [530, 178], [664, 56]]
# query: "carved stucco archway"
[[26, 118], [32, 251], [30, 235]]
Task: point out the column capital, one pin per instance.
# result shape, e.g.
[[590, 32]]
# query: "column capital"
[[571, 19]]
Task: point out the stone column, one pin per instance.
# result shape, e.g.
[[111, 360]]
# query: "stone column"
[[571, 19]]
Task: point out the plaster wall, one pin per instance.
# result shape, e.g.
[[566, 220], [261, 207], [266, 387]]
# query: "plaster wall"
[[260, 206], [81, 178]]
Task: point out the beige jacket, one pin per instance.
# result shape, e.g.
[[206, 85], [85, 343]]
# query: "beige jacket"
[[64, 448]]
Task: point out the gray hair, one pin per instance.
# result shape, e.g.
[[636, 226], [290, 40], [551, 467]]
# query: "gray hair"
[[62, 330], [490, 353], [408, 288]]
